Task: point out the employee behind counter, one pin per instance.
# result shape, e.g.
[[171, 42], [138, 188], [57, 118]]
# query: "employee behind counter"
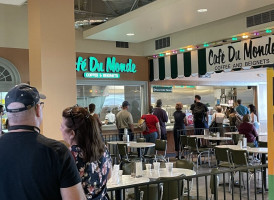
[[110, 117]]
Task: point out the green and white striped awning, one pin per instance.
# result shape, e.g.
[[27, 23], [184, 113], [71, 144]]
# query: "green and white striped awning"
[[244, 55]]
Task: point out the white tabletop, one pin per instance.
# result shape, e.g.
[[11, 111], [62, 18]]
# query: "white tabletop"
[[231, 133], [258, 150], [217, 138], [126, 180], [233, 147], [121, 142], [141, 145], [164, 173], [198, 136]]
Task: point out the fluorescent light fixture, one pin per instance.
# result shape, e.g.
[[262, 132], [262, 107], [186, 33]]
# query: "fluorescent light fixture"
[[245, 36], [168, 53], [189, 49], [202, 10], [130, 34]]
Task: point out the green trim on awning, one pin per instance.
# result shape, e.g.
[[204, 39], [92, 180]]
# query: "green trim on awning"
[[151, 70], [174, 66], [162, 68], [202, 61], [187, 64]]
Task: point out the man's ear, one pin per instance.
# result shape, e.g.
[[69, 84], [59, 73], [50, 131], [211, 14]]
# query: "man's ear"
[[38, 111]]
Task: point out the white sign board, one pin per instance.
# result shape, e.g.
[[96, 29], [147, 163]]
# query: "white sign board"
[[241, 54]]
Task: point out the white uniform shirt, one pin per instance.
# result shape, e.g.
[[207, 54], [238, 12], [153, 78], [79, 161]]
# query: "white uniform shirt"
[[110, 117]]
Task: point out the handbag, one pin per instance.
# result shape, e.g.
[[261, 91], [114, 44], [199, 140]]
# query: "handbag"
[[142, 125], [213, 126]]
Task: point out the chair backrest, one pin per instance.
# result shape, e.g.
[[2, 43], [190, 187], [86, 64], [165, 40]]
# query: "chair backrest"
[[185, 164], [222, 154], [171, 189], [192, 143], [152, 192], [160, 145], [237, 137], [123, 150], [127, 168], [141, 140], [239, 157], [262, 144], [183, 140]]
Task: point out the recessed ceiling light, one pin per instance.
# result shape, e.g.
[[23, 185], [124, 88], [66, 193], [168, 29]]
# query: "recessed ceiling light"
[[202, 10], [130, 34]]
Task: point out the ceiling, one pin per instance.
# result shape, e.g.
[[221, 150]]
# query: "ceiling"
[[163, 17], [89, 13]]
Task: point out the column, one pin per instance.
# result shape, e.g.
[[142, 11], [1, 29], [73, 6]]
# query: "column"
[[270, 130], [52, 58]]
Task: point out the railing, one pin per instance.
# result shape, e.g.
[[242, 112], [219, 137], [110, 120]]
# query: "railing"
[[205, 186]]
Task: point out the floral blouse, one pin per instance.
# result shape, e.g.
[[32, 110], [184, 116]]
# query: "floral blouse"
[[93, 174]]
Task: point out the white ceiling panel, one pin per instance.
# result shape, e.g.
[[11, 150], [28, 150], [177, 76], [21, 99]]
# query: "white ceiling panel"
[[13, 2]]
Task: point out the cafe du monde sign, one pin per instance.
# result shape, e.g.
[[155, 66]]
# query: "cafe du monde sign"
[[92, 68], [244, 54]]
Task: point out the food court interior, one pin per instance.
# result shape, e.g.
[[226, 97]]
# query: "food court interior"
[[61, 48]]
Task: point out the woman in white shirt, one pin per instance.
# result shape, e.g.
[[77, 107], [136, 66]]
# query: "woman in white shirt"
[[219, 117], [253, 116]]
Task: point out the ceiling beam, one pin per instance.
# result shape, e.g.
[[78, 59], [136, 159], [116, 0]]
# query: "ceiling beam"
[[110, 8], [135, 3]]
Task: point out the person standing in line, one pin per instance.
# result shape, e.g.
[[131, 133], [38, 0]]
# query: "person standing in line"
[[253, 116], [80, 130], [124, 120], [219, 117], [153, 127], [241, 110], [91, 108], [180, 123], [162, 117], [33, 166], [200, 115], [110, 117]]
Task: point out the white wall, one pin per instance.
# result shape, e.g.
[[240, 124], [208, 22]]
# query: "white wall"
[[218, 30], [13, 26]]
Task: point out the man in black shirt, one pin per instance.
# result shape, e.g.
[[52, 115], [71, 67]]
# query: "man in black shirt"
[[33, 166], [200, 115]]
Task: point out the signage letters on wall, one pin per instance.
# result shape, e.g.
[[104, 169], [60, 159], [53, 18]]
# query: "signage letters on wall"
[[242, 54], [92, 68]]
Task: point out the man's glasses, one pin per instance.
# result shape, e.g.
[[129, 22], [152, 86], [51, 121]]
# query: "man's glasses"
[[42, 104]]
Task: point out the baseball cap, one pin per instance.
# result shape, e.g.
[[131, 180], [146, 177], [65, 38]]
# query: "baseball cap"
[[25, 94], [125, 103]]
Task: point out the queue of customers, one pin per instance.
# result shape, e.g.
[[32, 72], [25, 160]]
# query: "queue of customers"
[[47, 166]]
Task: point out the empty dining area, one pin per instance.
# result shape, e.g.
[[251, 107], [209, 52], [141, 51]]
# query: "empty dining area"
[[209, 167]]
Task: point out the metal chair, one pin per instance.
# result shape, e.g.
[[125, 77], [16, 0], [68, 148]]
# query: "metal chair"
[[237, 137], [123, 153], [160, 145], [239, 158], [223, 161], [185, 164], [141, 140], [172, 188], [183, 145], [193, 149], [151, 192]]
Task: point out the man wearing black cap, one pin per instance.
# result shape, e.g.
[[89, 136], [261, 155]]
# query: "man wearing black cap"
[[33, 166], [124, 120]]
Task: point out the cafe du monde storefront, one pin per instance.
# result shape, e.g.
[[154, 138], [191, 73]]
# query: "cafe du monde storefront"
[[108, 80]]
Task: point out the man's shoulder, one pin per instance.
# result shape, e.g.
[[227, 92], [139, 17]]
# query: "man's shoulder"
[[51, 144]]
